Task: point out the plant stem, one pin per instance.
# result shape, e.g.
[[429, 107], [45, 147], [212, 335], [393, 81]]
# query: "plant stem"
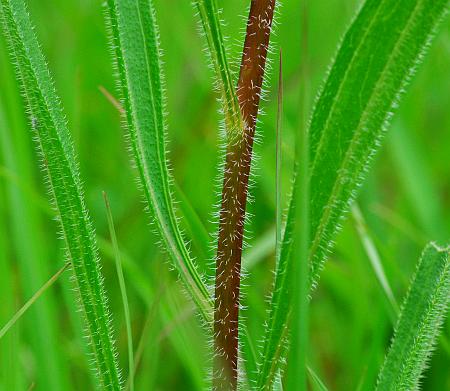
[[234, 196]]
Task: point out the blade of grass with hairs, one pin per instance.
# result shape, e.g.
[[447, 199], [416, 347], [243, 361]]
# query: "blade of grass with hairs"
[[350, 117], [60, 165], [194, 226], [40, 327], [135, 45], [421, 317], [136, 51], [209, 17]]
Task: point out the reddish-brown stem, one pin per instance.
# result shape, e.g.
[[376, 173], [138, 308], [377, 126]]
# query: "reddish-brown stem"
[[234, 196]]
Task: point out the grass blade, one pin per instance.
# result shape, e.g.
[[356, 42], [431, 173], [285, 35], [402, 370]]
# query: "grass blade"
[[209, 16], [340, 158], [317, 382], [59, 161], [41, 324], [418, 326], [194, 226], [123, 292], [136, 51], [32, 300], [374, 257], [298, 349], [349, 119], [279, 143]]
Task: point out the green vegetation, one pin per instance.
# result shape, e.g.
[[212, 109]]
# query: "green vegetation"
[[272, 314], [61, 169], [419, 322]]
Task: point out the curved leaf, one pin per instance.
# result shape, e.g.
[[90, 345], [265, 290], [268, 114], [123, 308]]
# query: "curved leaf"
[[377, 58], [136, 50], [61, 168], [419, 323], [226, 85]]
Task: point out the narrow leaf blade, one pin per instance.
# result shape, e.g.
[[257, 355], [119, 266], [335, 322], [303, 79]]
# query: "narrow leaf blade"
[[61, 168], [209, 17], [375, 63], [123, 291], [419, 323], [136, 50]]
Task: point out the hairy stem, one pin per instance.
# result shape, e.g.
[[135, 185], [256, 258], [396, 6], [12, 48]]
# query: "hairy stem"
[[234, 196]]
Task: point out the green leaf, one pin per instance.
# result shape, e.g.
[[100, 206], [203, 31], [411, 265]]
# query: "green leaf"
[[296, 377], [380, 53], [225, 83], [377, 58], [61, 168], [136, 51], [195, 229], [374, 257], [32, 261], [123, 291], [31, 301], [317, 382], [419, 323]]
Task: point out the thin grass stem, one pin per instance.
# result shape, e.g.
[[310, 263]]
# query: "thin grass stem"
[[317, 382], [32, 300], [278, 190], [374, 257], [123, 291]]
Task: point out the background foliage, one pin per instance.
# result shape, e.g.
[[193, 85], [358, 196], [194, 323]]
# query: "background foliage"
[[405, 201]]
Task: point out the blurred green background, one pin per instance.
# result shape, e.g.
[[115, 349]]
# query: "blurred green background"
[[405, 200]]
